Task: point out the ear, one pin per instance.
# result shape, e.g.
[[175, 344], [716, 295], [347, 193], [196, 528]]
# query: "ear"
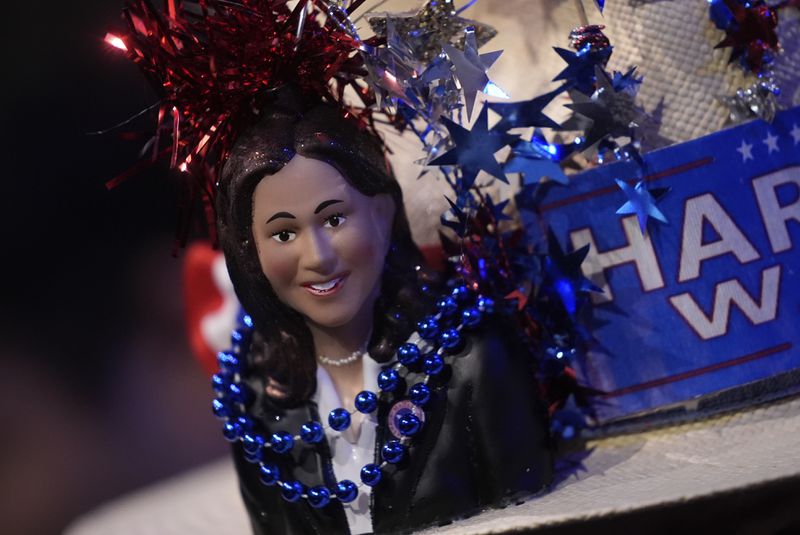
[[383, 210]]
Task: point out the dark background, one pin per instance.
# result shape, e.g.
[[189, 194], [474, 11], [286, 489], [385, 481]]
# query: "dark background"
[[100, 393]]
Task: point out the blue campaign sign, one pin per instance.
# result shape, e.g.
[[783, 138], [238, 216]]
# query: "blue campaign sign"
[[709, 300]]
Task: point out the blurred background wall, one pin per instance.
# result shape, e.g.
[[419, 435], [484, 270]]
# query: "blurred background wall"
[[99, 392]]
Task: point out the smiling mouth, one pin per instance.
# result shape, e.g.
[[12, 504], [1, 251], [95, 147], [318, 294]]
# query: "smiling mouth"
[[326, 288]]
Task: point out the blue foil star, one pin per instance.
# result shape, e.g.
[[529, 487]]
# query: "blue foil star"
[[526, 113], [579, 72], [640, 202], [600, 4], [626, 82], [537, 158], [474, 149], [564, 275]]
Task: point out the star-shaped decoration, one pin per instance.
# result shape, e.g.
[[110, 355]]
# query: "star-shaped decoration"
[[640, 202], [746, 150], [474, 149], [753, 35], [427, 30], [471, 69], [580, 70], [756, 100], [461, 224], [613, 113], [526, 113], [497, 211], [563, 273], [771, 141], [627, 81], [536, 159], [795, 132]]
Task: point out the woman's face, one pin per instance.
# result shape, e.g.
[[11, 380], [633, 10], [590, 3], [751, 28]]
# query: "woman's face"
[[321, 243]]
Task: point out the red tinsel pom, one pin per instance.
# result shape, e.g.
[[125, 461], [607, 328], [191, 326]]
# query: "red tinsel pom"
[[211, 62]]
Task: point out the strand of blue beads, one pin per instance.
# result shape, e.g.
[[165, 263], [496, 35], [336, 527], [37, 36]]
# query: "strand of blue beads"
[[442, 331]]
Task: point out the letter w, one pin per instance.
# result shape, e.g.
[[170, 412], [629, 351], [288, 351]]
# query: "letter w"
[[725, 294]]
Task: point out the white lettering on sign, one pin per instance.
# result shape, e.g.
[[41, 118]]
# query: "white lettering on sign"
[[639, 250], [728, 293], [776, 216], [706, 208]]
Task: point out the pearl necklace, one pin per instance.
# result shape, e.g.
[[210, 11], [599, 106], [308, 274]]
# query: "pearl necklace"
[[440, 334], [354, 356]]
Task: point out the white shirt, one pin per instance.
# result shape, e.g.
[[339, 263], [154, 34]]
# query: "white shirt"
[[355, 446]]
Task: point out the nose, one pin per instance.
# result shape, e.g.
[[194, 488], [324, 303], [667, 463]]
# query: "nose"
[[319, 254]]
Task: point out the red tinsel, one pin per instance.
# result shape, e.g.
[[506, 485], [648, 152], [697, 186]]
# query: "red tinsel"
[[753, 35], [211, 61], [592, 35]]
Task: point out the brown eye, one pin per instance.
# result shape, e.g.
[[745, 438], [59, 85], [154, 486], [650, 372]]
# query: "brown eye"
[[334, 220], [283, 236]]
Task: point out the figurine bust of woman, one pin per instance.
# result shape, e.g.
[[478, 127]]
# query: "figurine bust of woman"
[[318, 247]]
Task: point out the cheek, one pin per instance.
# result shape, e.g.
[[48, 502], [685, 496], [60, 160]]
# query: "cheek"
[[280, 268], [363, 248]]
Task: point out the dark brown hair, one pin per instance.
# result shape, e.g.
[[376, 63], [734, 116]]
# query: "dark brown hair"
[[284, 351]]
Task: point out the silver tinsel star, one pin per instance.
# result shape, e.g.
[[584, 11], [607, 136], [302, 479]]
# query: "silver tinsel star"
[[471, 69], [430, 28], [613, 113], [755, 101]]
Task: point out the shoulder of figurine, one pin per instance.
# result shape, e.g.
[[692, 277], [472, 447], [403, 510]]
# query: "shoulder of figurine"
[[494, 353]]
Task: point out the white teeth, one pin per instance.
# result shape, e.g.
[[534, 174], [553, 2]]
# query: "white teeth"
[[326, 286]]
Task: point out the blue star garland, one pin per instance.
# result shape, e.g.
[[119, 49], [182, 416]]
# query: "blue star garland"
[[526, 113], [580, 70], [537, 158], [563, 272], [474, 150], [640, 202]]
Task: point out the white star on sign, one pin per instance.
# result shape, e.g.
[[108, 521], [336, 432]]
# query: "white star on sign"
[[795, 133], [771, 141], [746, 151]]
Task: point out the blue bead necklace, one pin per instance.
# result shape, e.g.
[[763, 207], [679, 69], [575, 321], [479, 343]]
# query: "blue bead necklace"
[[439, 335]]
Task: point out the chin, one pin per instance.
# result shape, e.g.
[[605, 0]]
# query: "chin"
[[331, 319]]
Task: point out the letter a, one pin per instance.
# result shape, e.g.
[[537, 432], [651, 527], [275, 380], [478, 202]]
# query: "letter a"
[[726, 293], [694, 251]]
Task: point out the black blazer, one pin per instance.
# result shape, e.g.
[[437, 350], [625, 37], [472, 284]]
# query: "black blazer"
[[484, 444]]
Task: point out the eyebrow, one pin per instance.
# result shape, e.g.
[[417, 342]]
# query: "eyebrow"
[[325, 204], [279, 215]]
